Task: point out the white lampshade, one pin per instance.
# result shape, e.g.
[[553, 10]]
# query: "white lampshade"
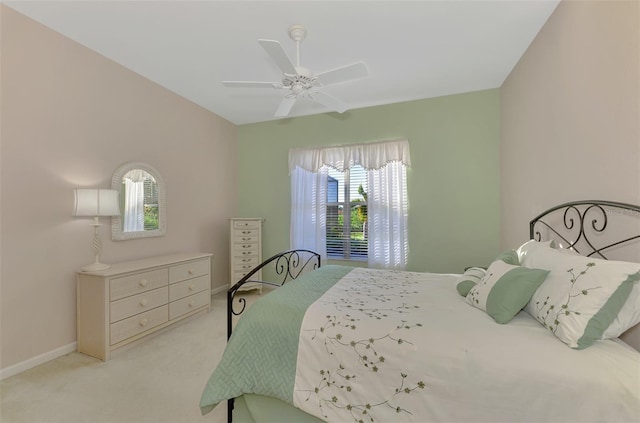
[[96, 202]]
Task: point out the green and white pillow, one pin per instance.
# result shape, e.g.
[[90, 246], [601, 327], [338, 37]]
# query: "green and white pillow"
[[469, 279], [505, 289], [582, 296], [509, 257]]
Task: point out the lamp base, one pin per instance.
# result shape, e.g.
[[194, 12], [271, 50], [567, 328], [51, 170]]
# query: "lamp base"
[[95, 267]]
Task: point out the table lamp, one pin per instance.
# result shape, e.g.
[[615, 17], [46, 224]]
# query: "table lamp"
[[96, 203]]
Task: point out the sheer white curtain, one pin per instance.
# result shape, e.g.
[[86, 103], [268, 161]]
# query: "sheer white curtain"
[[386, 164], [133, 206], [309, 210], [388, 208]]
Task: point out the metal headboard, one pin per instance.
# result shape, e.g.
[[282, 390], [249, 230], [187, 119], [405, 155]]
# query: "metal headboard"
[[583, 225]]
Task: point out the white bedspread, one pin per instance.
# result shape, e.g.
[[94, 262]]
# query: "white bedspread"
[[387, 346]]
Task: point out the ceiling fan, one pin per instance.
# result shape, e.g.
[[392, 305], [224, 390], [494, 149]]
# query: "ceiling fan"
[[300, 81]]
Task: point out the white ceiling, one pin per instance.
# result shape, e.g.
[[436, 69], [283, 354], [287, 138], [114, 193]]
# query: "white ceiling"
[[412, 49]]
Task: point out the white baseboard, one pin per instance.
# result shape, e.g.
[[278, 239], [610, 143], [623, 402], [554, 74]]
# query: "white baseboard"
[[218, 289], [59, 352], [36, 361]]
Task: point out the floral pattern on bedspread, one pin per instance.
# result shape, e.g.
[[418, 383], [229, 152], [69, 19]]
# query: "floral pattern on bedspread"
[[357, 348]]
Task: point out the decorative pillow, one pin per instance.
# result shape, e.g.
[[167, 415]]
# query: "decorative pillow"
[[469, 278], [509, 257], [525, 249], [582, 296], [505, 289], [628, 316]]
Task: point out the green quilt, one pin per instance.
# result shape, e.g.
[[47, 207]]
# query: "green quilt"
[[262, 352]]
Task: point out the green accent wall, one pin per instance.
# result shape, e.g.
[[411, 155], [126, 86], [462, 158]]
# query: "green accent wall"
[[453, 183]]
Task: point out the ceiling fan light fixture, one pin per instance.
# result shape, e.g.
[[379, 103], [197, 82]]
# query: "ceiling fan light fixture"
[[300, 81]]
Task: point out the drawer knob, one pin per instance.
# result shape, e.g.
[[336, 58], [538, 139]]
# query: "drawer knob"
[[144, 322], [190, 271], [143, 302], [191, 303], [143, 282], [191, 287]]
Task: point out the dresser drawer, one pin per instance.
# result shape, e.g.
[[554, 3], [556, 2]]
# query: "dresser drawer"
[[189, 270], [137, 283], [139, 323], [189, 287], [127, 307], [246, 224], [187, 304]]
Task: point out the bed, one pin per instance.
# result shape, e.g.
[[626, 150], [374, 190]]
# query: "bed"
[[535, 336]]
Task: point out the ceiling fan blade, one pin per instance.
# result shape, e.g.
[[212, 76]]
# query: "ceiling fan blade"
[[285, 106], [345, 73], [278, 55], [330, 102], [251, 84]]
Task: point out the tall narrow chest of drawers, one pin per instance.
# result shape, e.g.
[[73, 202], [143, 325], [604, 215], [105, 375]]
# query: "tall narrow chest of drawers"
[[246, 250], [131, 300]]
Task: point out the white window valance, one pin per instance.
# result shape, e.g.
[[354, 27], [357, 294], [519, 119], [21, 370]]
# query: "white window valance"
[[370, 156]]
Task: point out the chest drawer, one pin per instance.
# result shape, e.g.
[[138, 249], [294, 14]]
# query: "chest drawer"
[[188, 287], [246, 224], [137, 283], [187, 304], [246, 232], [246, 239], [243, 267], [188, 270], [247, 260], [245, 249], [139, 323], [127, 307]]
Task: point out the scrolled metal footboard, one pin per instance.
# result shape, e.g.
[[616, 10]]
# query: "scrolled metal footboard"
[[285, 266]]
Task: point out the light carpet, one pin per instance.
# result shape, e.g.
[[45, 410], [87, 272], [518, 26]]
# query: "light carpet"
[[158, 380]]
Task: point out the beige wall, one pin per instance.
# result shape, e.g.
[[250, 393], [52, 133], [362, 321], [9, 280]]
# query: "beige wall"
[[570, 115], [70, 117]]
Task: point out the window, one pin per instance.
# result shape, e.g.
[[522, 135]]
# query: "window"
[[347, 214], [350, 202]]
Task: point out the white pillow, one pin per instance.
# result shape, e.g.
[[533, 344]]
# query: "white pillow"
[[582, 296], [525, 249], [533, 245]]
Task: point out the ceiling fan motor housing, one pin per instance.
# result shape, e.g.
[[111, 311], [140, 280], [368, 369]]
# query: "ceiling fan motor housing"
[[304, 80]]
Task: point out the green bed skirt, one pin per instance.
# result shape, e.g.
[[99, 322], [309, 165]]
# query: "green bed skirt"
[[251, 408]]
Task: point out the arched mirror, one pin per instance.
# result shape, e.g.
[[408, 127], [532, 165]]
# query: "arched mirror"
[[142, 202]]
